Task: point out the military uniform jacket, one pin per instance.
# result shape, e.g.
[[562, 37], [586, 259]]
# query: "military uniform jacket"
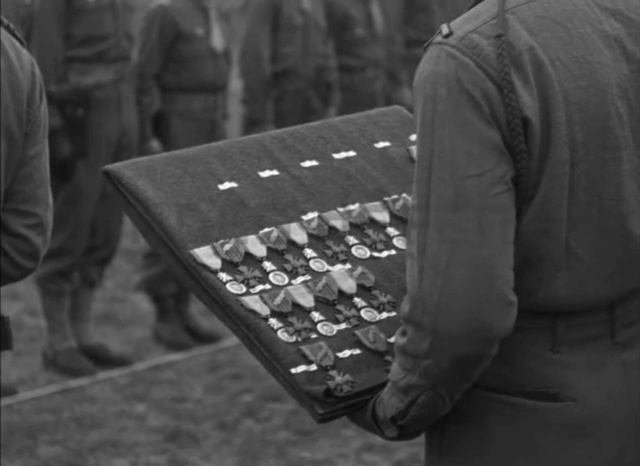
[[25, 196], [576, 248]]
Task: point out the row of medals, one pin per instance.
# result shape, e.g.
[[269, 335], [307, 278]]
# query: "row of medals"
[[303, 289]]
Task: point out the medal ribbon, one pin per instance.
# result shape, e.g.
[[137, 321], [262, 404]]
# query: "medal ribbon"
[[278, 301], [399, 205], [372, 338], [207, 257], [335, 220], [378, 212], [355, 214], [325, 289], [314, 225], [319, 353], [255, 304], [231, 250], [344, 281], [273, 238], [302, 296], [364, 277], [254, 246], [295, 233]]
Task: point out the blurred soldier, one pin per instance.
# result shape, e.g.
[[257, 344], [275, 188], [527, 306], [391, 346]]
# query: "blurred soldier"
[[20, 14], [84, 49], [25, 195], [366, 43], [420, 21], [184, 59], [287, 66], [520, 335]]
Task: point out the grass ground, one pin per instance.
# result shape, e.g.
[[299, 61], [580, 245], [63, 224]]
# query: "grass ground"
[[217, 410]]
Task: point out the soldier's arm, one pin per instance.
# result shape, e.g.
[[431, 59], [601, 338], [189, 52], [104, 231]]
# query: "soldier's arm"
[[460, 282], [27, 205], [158, 31], [256, 63]]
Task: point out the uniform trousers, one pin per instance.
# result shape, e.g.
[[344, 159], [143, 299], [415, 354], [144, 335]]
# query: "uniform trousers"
[[362, 90], [87, 219], [296, 102], [186, 119], [562, 390]]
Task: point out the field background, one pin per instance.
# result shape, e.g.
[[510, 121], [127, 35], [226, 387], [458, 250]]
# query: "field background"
[[216, 410]]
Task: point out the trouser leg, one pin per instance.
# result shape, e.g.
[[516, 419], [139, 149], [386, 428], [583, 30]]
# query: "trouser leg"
[[296, 106]]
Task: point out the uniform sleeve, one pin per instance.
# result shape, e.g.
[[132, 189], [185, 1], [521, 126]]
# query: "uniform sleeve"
[[256, 63], [27, 209], [460, 284], [158, 31]]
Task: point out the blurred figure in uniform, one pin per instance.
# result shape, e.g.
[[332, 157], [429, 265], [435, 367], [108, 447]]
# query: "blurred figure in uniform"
[[20, 14], [84, 50], [287, 64], [184, 60], [26, 206], [366, 42], [420, 19]]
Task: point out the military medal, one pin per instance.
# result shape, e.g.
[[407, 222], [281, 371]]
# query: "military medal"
[[397, 239], [337, 221], [336, 251], [314, 367], [348, 314], [372, 338], [208, 257], [274, 239], [254, 246], [298, 328], [231, 250], [328, 329], [377, 242], [256, 305], [363, 277], [295, 265], [340, 383], [297, 234], [355, 214], [382, 301], [344, 281], [236, 288], [324, 289], [319, 353], [367, 313], [378, 213], [358, 250], [314, 225], [278, 301], [303, 297], [399, 205], [248, 276]]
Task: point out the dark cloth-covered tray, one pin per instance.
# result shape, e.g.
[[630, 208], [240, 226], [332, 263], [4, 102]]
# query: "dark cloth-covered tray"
[[215, 204]]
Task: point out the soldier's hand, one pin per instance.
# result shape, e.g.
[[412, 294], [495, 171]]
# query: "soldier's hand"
[[62, 155], [151, 147]]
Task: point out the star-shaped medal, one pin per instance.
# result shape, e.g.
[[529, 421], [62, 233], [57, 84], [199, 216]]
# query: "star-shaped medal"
[[248, 276], [339, 382], [299, 328], [336, 251], [348, 314], [382, 301], [375, 241], [296, 265]]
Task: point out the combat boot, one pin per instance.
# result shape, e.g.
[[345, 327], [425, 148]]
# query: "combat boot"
[[194, 328], [80, 319], [168, 329], [60, 354]]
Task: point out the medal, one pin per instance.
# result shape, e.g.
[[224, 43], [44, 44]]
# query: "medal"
[[314, 367], [335, 220], [295, 265], [314, 225], [254, 246], [344, 281], [324, 289], [208, 257], [319, 353], [363, 277], [378, 213], [372, 338], [248, 276], [256, 305], [274, 239], [375, 241], [295, 233], [285, 335], [299, 329], [336, 251], [348, 315], [231, 250], [278, 301], [278, 278], [382, 301], [236, 288], [318, 265], [340, 383], [397, 239], [355, 214], [302, 296], [369, 314], [358, 250], [326, 328], [399, 205]]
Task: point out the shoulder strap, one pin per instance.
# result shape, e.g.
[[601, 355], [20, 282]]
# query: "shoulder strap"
[[7, 26]]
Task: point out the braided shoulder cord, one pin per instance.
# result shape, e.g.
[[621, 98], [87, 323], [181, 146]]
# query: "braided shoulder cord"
[[517, 144]]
